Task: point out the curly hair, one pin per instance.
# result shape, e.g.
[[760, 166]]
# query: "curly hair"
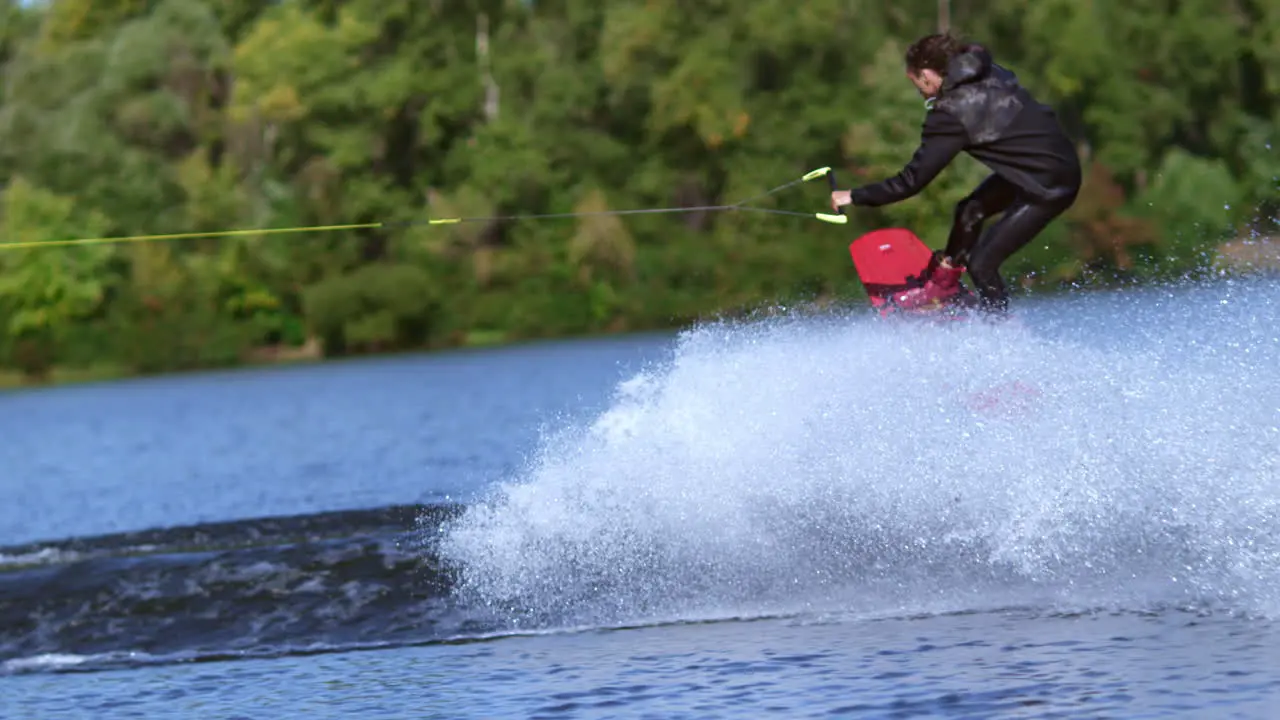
[[933, 52]]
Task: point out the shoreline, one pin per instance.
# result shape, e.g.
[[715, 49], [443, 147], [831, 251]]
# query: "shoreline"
[[1249, 257], [269, 358]]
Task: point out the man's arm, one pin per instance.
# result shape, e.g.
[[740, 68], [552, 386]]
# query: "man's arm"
[[941, 139]]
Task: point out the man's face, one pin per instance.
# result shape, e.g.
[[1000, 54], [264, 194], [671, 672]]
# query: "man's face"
[[926, 81]]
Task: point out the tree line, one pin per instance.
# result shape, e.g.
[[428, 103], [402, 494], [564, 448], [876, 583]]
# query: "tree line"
[[132, 117]]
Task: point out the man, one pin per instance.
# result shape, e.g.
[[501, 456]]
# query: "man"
[[978, 107]]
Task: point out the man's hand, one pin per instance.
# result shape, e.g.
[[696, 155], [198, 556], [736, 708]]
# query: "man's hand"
[[841, 197]]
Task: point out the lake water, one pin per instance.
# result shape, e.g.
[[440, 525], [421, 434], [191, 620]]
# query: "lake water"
[[1072, 514]]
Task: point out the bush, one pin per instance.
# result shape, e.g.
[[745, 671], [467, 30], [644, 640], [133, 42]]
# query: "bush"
[[378, 307]]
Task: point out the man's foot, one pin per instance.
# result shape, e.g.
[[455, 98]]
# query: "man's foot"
[[942, 287], [995, 311]]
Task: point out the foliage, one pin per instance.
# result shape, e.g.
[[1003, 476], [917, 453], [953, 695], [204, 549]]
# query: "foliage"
[[376, 307], [173, 116]]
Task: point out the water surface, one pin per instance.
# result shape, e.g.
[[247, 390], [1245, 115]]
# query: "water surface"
[[185, 449], [1076, 513]]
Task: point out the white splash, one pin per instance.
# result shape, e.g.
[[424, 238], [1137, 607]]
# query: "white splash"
[[798, 465]]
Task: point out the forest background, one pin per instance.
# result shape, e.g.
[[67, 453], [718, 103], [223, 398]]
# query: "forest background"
[[124, 117]]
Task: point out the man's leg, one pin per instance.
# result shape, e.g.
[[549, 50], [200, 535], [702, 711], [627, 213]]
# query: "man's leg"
[[991, 197], [1020, 224]]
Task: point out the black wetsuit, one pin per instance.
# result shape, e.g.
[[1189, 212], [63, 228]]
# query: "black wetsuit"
[[981, 109]]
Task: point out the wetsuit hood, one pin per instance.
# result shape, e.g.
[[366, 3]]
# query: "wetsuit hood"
[[971, 65]]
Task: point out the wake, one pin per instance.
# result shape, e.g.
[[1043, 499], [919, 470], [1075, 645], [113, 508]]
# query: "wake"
[[804, 465]]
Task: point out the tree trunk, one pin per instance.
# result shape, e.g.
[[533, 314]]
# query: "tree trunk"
[[486, 71]]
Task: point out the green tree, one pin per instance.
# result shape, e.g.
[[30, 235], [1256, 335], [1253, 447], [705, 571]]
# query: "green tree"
[[45, 291], [141, 117]]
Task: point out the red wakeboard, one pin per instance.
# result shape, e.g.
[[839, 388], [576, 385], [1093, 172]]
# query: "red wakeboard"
[[893, 260]]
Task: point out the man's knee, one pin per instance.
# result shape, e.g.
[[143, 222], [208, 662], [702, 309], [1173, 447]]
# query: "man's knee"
[[970, 213]]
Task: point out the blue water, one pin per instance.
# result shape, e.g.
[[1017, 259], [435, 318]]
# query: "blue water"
[[1010, 664], [221, 446], [1072, 514]]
